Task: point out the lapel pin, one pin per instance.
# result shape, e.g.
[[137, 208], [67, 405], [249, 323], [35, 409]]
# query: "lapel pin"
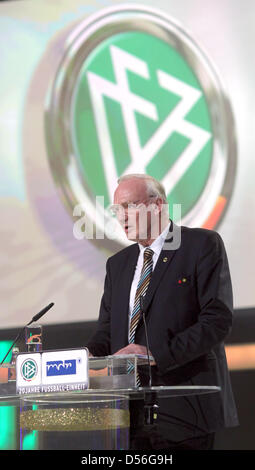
[[165, 260]]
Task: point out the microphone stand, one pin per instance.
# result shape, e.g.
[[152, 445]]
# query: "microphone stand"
[[150, 405], [14, 342], [147, 348], [35, 318]]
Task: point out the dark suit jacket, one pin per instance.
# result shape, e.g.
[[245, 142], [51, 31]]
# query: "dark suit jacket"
[[187, 323]]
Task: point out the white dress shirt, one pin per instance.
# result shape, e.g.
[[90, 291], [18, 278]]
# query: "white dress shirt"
[[156, 246]]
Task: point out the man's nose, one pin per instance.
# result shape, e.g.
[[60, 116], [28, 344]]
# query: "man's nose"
[[122, 214]]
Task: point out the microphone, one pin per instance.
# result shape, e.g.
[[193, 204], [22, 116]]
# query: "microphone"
[[41, 313], [146, 337], [150, 405], [35, 318]]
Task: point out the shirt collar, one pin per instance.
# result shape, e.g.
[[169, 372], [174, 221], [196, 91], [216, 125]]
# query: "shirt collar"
[[157, 244]]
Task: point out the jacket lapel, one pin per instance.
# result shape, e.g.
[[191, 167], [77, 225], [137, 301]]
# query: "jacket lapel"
[[160, 268], [164, 259]]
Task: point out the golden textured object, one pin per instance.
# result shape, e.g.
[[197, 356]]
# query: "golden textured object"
[[73, 419]]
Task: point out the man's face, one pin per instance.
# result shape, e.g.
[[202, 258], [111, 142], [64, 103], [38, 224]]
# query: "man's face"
[[136, 222]]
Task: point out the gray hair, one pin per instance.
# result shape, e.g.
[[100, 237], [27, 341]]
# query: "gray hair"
[[154, 187]]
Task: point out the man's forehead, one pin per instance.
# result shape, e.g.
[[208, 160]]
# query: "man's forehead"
[[129, 190]]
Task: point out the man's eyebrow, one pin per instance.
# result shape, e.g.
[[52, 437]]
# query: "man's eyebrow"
[[128, 202]]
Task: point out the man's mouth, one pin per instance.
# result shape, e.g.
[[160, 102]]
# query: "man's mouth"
[[128, 228]]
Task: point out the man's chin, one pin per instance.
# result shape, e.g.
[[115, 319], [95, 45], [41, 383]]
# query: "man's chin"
[[133, 236], [130, 234]]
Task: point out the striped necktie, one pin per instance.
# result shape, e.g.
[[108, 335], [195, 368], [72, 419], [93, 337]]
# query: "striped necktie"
[[141, 290]]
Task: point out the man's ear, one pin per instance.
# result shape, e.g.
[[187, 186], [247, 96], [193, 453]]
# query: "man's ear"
[[158, 205]]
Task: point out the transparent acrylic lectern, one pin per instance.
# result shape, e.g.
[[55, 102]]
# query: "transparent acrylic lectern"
[[95, 419]]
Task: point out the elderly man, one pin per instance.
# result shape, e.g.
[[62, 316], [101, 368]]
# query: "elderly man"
[[187, 298]]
